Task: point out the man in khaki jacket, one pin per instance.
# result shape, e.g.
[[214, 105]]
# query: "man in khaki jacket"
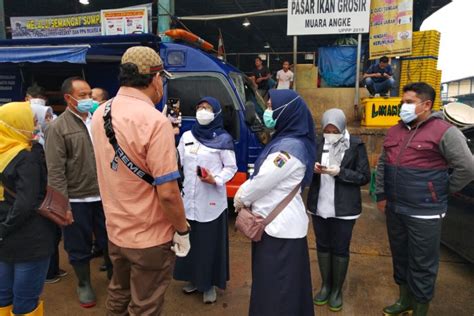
[[72, 171]]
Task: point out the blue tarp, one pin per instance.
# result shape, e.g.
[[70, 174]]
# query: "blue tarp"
[[75, 54], [337, 65]]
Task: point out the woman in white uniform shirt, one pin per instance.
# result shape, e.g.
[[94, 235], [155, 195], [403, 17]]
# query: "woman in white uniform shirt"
[[209, 148], [281, 277], [342, 167]]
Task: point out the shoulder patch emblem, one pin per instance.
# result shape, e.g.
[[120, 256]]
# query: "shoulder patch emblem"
[[286, 154], [280, 160]]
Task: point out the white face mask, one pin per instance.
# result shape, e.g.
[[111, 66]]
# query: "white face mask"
[[204, 117], [38, 101], [332, 138]]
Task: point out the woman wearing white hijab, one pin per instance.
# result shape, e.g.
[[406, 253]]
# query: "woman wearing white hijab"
[[342, 167], [44, 115]]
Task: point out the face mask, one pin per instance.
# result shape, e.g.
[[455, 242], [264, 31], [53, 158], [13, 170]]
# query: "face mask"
[[268, 119], [95, 106], [37, 101], [84, 105], [407, 112], [332, 138], [204, 117], [268, 114]]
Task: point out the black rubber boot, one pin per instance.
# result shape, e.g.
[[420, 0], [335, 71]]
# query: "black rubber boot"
[[324, 262], [420, 309], [339, 271], [84, 289], [403, 305]]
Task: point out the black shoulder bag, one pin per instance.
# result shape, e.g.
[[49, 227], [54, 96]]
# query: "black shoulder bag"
[[119, 153]]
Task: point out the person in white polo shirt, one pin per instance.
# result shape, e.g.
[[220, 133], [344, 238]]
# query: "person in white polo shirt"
[[285, 77]]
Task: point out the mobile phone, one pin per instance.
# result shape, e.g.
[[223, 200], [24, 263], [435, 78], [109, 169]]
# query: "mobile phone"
[[174, 111], [199, 171], [322, 167]]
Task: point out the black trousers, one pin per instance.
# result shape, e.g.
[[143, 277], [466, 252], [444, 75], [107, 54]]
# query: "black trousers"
[[415, 244], [53, 269], [333, 235], [88, 218]]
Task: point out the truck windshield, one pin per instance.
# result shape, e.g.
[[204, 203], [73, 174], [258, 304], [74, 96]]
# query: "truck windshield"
[[247, 93]]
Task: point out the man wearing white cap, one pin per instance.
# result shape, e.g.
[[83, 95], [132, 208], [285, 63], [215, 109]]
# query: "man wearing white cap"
[[137, 172]]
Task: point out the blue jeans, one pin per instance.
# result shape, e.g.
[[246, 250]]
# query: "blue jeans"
[[379, 87], [21, 284]]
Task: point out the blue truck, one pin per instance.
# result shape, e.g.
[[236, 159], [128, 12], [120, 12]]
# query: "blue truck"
[[197, 73]]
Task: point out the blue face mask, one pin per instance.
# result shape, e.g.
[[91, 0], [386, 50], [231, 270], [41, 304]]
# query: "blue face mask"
[[268, 115], [95, 106], [407, 112], [84, 105], [268, 119]]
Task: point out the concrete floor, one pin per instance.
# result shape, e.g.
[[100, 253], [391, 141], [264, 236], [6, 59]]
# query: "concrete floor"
[[368, 287]]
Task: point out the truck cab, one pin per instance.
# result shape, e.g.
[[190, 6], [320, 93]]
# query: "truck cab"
[[197, 74]]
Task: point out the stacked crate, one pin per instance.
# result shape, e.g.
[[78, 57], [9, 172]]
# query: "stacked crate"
[[422, 64]]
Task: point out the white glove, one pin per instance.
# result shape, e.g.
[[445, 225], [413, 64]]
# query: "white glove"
[[237, 202], [181, 244], [332, 170]]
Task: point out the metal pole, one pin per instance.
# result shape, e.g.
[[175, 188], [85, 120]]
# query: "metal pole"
[[295, 59], [357, 96], [165, 8], [3, 34]]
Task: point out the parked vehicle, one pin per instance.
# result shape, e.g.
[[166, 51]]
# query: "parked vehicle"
[[196, 74], [458, 225]]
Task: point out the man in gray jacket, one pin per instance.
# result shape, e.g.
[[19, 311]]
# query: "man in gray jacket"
[[413, 184], [72, 171]]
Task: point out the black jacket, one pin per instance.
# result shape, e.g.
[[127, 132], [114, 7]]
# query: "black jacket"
[[355, 172], [24, 234]]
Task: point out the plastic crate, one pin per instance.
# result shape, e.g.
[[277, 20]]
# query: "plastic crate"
[[380, 112]]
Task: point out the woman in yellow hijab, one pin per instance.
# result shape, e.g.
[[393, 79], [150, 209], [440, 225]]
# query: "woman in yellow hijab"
[[16, 131], [26, 238]]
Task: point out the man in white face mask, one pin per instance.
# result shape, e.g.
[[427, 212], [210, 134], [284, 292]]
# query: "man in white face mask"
[[36, 96], [412, 190]]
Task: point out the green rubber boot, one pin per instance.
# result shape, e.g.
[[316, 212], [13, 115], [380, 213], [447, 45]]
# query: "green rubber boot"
[[420, 309], [84, 289], [324, 262], [339, 271], [402, 305]]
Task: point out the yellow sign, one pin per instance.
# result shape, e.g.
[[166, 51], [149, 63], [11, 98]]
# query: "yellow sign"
[[391, 24], [381, 112]]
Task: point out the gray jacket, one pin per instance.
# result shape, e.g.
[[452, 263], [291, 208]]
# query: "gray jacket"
[[70, 157]]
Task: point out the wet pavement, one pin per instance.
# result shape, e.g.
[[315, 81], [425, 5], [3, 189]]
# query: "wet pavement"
[[369, 285]]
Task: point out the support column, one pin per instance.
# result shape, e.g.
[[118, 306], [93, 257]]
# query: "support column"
[[165, 8], [3, 33], [295, 59], [357, 89]]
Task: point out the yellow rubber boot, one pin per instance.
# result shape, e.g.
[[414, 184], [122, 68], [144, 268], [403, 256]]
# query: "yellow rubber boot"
[[37, 312], [6, 311]]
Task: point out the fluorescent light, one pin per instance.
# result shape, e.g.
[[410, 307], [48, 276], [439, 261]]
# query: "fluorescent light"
[[246, 22], [84, 2], [266, 45]]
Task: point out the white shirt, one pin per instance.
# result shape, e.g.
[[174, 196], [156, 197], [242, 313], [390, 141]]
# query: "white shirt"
[[279, 174], [326, 207], [88, 124], [284, 79], [204, 202]]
